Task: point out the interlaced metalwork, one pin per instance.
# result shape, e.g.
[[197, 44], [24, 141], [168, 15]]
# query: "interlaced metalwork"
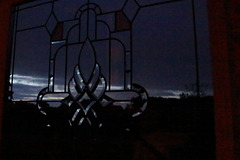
[[87, 86]]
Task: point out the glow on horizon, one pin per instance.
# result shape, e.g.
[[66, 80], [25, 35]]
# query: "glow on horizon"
[[29, 80], [38, 83]]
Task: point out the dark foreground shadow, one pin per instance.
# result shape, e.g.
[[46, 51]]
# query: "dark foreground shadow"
[[170, 129]]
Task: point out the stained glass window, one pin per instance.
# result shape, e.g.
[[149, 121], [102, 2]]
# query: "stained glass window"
[[124, 75]]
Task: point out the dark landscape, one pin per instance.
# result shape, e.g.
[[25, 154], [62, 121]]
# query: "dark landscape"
[[169, 129]]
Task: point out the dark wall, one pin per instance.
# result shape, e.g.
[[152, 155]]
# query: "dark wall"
[[224, 19]]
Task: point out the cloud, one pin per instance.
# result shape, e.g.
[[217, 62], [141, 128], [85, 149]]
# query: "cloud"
[[29, 81], [26, 88], [166, 93], [117, 87]]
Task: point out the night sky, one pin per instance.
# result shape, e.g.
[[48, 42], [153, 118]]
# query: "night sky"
[[162, 47]]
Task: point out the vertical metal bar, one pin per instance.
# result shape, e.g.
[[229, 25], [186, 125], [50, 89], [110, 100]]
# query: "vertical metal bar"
[[10, 54], [53, 76], [66, 62], [131, 59], [110, 57], [88, 20], [195, 47], [49, 66], [125, 70], [50, 55], [14, 45], [66, 67], [13, 31]]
